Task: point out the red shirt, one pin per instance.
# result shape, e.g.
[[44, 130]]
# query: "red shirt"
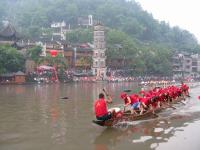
[[145, 100], [100, 108], [184, 87], [134, 98]]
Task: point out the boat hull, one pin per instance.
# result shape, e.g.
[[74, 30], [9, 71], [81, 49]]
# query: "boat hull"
[[125, 117]]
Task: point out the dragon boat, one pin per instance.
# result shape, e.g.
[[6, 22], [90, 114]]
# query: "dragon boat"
[[127, 116]]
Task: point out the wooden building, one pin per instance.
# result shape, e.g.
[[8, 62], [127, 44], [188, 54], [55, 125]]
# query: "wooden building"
[[54, 46], [19, 77], [79, 56], [13, 78]]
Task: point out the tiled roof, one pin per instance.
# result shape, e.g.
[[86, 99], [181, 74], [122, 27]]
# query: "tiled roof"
[[19, 73], [9, 31]]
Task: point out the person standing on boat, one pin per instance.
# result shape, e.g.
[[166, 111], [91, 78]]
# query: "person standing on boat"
[[100, 108]]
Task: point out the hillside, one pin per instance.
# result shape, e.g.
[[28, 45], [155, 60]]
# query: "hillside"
[[148, 42]]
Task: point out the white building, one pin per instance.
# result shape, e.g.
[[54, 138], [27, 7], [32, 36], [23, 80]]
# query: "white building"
[[87, 21], [185, 64], [59, 30], [99, 59]]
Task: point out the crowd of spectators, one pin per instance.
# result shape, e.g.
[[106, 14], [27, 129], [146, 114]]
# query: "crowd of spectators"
[[114, 76]]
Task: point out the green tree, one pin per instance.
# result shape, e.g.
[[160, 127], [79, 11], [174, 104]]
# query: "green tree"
[[59, 61], [10, 60], [80, 36], [34, 53]]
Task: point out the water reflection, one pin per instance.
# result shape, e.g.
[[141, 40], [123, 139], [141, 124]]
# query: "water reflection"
[[144, 135]]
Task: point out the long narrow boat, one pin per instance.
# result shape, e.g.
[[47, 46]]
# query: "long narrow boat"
[[127, 116]]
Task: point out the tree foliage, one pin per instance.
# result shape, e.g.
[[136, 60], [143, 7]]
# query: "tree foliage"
[[122, 15], [80, 36], [10, 60], [58, 61], [34, 53]]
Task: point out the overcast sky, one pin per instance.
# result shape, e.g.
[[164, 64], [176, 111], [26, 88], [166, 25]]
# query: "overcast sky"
[[182, 13]]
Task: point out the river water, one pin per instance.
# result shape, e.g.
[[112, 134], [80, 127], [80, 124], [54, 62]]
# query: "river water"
[[33, 117]]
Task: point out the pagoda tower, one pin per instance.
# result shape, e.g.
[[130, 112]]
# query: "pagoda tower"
[[99, 59]]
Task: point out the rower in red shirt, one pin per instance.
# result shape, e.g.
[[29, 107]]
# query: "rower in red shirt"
[[185, 89], [100, 108], [133, 101]]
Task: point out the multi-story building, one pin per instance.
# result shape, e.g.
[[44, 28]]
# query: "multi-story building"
[[195, 65], [59, 30], [79, 56], [99, 59], [88, 21], [185, 64]]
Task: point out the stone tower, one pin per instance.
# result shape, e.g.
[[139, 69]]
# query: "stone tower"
[[99, 58]]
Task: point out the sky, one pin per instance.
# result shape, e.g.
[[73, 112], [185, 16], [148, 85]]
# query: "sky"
[[182, 13]]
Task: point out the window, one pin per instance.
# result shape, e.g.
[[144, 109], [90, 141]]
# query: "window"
[[194, 63], [102, 63], [95, 71], [188, 61], [99, 45], [188, 67], [194, 69], [101, 39]]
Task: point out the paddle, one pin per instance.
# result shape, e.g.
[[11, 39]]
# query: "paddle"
[[170, 106], [108, 96], [124, 108], [105, 92], [182, 103]]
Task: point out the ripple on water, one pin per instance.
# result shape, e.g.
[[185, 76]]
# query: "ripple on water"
[[161, 122], [154, 145], [159, 138], [158, 129], [168, 130], [142, 139], [10, 137]]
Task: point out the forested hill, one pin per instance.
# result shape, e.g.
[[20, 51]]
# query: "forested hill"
[[126, 16], [145, 43]]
